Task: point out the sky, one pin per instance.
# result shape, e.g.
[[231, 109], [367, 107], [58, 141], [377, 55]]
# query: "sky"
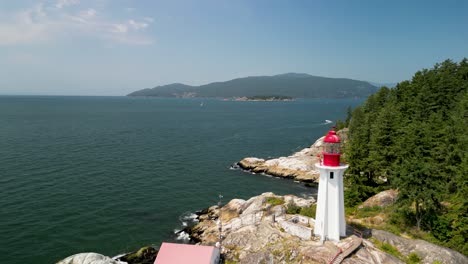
[[114, 47]]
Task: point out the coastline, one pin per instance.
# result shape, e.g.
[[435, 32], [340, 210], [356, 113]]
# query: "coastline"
[[299, 166], [276, 229]]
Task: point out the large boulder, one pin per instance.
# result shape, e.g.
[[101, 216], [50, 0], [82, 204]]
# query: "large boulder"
[[89, 258], [251, 163], [370, 254], [298, 201], [145, 255], [381, 199], [231, 210], [428, 252]]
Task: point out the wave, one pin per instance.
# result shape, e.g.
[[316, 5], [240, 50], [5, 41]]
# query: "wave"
[[186, 220], [181, 235]]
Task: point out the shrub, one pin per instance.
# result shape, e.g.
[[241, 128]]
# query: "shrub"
[[390, 249], [309, 211], [292, 208], [413, 258], [368, 211], [274, 200]]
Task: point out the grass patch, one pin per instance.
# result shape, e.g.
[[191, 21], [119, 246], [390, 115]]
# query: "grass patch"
[[368, 211], [413, 258], [292, 208], [305, 211], [386, 247], [274, 201], [309, 211]]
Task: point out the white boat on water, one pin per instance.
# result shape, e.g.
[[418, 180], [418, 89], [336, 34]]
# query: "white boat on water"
[[328, 121]]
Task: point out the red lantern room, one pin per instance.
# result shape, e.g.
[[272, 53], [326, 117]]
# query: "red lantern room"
[[331, 149]]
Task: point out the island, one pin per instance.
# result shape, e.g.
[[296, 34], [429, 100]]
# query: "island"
[[264, 98], [277, 87]]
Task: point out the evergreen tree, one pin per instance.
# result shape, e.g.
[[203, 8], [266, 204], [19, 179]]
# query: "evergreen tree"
[[413, 138]]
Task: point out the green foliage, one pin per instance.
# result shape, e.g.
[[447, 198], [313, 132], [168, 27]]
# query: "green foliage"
[[309, 211], [292, 85], [368, 211], [274, 200], [305, 211], [413, 258], [292, 208], [386, 247], [413, 138], [340, 124]]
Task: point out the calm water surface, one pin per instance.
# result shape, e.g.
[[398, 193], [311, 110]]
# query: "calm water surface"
[[112, 174]]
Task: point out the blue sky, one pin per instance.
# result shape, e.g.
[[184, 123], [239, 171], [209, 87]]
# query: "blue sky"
[[113, 47]]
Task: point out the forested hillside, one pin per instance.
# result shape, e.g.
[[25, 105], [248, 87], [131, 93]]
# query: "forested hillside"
[[414, 138], [294, 85]]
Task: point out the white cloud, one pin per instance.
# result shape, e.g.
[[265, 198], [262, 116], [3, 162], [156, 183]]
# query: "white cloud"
[[119, 28], [63, 3], [89, 13], [40, 24], [27, 25], [137, 25]]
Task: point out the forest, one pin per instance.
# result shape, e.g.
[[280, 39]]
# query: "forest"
[[414, 138]]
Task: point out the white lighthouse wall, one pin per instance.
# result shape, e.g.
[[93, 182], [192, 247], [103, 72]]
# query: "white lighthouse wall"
[[330, 222], [333, 208], [319, 229], [341, 204]]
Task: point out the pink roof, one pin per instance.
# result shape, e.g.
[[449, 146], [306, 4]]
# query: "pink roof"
[[171, 253]]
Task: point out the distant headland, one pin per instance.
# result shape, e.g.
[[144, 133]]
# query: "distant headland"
[[261, 88], [267, 98]]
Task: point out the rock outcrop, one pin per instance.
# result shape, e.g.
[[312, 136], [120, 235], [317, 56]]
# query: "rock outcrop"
[[89, 258], [260, 231], [382, 199], [300, 166], [428, 252], [145, 255]]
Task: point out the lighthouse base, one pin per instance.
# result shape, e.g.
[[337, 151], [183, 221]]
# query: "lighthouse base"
[[330, 221]]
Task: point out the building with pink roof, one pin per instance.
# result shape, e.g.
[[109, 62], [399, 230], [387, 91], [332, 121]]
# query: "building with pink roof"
[[171, 253]]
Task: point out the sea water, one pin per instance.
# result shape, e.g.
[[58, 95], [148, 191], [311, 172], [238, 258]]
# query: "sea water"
[[112, 174]]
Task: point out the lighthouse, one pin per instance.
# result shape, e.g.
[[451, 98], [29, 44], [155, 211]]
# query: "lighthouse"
[[330, 218]]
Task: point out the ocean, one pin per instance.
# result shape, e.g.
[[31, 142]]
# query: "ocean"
[[113, 174]]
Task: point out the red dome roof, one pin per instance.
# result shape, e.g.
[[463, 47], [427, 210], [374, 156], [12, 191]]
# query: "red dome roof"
[[331, 137]]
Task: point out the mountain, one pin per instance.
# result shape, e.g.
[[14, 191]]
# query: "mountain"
[[388, 85], [296, 85]]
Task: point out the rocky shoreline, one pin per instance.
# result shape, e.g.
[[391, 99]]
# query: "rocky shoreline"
[[271, 228], [263, 230], [300, 166]]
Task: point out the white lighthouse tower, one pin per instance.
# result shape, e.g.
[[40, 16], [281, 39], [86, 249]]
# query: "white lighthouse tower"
[[330, 218]]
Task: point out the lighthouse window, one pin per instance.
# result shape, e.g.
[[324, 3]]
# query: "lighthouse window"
[[331, 175]]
